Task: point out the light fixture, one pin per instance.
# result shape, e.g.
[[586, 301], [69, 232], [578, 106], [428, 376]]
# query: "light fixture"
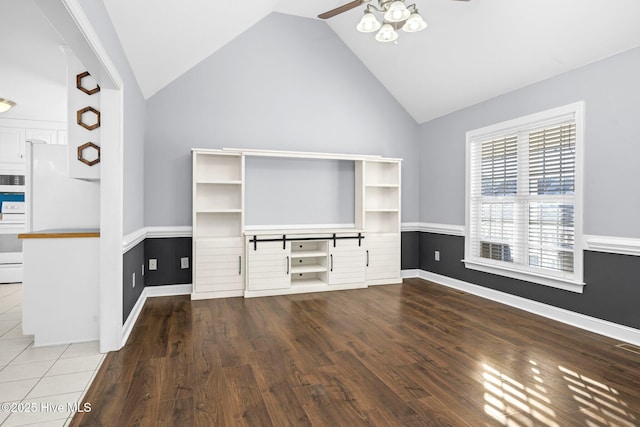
[[397, 12], [414, 23], [395, 15], [5, 105], [387, 34], [368, 23]]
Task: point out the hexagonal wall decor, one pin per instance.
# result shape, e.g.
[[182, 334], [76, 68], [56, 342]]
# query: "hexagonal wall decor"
[[89, 153], [86, 110], [79, 85]]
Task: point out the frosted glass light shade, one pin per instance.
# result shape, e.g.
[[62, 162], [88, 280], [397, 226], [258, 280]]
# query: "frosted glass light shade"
[[5, 105], [397, 12], [414, 23], [368, 23], [386, 34]]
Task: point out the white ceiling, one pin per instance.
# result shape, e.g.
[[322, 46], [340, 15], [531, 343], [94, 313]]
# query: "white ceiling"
[[470, 52]]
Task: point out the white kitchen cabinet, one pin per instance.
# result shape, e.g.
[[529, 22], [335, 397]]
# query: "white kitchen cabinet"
[[15, 132], [60, 291], [48, 136], [12, 147]]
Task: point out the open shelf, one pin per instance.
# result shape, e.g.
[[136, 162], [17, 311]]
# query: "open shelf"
[[382, 221], [308, 246], [218, 168], [382, 186], [382, 198], [218, 224], [219, 211], [309, 263], [307, 282], [382, 174], [219, 181], [308, 254], [311, 268]]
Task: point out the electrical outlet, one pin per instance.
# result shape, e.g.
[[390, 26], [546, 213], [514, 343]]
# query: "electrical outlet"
[[153, 264], [184, 262], [133, 280], [437, 255]]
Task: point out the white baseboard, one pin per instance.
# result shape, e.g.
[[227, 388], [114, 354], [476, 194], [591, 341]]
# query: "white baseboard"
[[592, 324], [168, 290], [10, 273], [133, 317], [150, 292], [409, 274]]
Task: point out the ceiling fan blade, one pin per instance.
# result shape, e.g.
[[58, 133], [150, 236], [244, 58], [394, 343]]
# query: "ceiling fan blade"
[[338, 10]]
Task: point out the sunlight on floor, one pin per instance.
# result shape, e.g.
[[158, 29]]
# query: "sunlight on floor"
[[600, 403], [512, 403]]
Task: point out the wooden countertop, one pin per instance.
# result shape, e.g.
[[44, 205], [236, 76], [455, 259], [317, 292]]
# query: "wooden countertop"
[[61, 233]]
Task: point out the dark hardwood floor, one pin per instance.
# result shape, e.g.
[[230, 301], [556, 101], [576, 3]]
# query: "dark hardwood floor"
[[412, 354]]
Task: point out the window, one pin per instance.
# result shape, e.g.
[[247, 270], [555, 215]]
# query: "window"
[[524, 216]]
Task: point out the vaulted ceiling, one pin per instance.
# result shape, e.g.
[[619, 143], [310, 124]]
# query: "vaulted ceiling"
[[471, 51]]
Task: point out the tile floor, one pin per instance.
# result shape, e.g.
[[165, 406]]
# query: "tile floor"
[[44, 380]]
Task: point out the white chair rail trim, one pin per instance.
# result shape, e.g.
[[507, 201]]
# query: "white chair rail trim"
[[609, 244]]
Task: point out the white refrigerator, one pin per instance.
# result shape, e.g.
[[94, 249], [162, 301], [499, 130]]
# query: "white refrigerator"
[[53, 199]]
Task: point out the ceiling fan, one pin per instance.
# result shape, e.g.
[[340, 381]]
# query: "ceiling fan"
[[383, 5], [395, 13]]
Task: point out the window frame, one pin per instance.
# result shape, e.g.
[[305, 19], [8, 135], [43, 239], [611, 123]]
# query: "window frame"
[[570, 282]]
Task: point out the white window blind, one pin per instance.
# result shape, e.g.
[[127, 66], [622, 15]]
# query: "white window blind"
[[522, 207]]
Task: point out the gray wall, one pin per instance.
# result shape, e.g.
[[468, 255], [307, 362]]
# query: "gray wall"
[[610, 89], [326, 195], [288, 83], [134, 117]]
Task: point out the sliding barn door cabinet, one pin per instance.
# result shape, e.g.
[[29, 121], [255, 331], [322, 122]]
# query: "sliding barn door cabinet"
[[233, 260]]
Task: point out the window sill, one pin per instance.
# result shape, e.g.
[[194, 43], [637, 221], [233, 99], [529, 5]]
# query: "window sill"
[[528, 276]]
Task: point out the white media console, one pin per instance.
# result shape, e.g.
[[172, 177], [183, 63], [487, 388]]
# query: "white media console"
[[231, 259]]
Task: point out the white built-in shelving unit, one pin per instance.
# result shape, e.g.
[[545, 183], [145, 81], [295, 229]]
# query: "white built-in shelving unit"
[[379, 197], [231, 260], [309, 263], [218, 217]]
